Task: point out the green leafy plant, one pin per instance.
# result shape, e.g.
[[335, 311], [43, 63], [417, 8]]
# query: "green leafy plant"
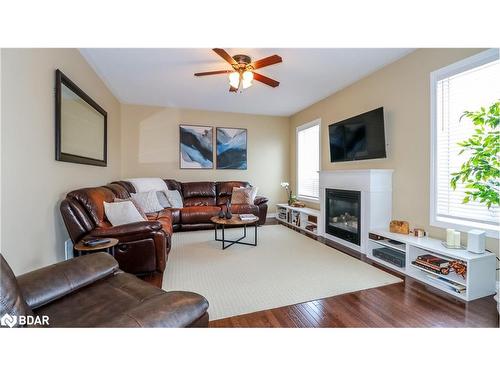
[[481, 173]]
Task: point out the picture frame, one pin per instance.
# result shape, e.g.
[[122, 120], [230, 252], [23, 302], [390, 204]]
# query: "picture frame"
[[196, 147], [81, 125], [232, 148]]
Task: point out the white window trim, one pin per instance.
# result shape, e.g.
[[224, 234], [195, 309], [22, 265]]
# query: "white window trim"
[[456, 68], [297, 129]]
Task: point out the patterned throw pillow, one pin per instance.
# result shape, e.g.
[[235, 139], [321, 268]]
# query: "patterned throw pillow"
[[121, 213], [252, 191], [148, 201], [242, 196], [175, 199]]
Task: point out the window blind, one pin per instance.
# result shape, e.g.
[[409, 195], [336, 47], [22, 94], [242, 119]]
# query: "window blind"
[[308, 162], [466, 91]]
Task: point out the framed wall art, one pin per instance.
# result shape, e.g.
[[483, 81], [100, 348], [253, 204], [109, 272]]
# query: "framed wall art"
[[231, 148], [196, 147]]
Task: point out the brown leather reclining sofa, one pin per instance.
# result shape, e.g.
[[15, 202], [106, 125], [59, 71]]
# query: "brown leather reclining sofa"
[[91, 291], [144, 246]]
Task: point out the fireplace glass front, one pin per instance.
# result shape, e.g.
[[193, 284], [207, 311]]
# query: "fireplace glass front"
[[343, 211]]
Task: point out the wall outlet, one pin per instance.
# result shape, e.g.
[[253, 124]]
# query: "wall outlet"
[[68, 249]]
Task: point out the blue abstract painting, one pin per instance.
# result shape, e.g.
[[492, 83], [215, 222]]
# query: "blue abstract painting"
[[196, 147], [231, 148]]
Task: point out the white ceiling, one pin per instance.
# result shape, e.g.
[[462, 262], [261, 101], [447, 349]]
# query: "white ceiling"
[[164, 77]]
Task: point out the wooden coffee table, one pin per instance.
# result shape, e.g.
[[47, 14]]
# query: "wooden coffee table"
[[234, 221]]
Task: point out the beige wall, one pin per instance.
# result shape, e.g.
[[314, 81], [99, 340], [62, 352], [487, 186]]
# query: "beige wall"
[[150, 146], [402, 88], [33, 183]]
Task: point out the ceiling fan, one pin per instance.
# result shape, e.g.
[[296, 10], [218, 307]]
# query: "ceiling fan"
[[243, 72]]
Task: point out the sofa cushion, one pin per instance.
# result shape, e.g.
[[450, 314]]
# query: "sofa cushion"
[[165, 219], [245, 209], [110, 301], [148, 201], [120, 213], [174, 198], [224, 190], [242, 196], [199, 214], [198, 194]]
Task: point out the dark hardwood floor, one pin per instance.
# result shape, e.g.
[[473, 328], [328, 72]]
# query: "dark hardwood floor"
[[407, 304]]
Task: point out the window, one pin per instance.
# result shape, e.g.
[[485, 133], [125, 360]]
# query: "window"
[[308, 154], [467, 85]]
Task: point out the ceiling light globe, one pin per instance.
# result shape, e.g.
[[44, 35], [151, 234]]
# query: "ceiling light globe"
[[234, 79], [247, 76]]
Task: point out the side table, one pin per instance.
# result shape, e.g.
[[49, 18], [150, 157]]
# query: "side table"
[[82, 249]]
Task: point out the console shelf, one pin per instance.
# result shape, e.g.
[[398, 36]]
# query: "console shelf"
[[480, 277], [298, 217]]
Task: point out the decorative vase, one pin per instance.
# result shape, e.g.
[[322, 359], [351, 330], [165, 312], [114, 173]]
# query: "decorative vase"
[[229, 215], [222, 214]]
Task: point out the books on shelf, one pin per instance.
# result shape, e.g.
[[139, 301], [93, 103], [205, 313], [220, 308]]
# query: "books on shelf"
[[433, 260], [248, 217], [458, 288]]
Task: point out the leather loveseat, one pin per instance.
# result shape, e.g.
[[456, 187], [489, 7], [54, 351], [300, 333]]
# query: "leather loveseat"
[[91, 291]]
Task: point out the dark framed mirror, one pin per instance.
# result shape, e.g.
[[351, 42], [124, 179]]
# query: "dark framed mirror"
[[81, 125]]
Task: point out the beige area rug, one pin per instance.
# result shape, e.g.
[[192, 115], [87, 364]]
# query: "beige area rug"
[[284, 269]]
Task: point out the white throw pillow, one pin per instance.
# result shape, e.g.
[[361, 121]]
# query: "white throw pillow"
[[162, 198], [174, 197], [148, 201], [120, 213], [253, 191]]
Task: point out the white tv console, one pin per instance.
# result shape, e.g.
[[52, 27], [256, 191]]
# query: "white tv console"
[[480, 279]]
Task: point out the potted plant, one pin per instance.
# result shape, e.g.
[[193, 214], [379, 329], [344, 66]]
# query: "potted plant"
[[291, 197], [481, 172]]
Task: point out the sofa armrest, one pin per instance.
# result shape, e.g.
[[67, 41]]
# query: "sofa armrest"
[[47, 284], [168, 310], [260, 200], [140, 227]]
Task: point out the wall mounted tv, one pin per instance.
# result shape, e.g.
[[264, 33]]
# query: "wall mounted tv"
[[358, 138]]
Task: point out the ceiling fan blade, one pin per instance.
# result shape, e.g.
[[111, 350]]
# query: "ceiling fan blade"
[[214, 72], [226, 56], [232, 89], [268, 81], [270, 60]]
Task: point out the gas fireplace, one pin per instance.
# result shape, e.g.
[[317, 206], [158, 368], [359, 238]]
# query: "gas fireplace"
[[343, 212]]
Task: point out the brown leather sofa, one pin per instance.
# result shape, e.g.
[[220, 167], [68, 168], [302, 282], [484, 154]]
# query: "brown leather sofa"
[[91, 291], [144, 246], [202, 200]]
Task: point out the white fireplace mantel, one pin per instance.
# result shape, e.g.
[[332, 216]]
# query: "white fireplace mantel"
[[375, 186]]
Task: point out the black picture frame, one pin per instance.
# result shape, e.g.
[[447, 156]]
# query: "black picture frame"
[[62, 79]]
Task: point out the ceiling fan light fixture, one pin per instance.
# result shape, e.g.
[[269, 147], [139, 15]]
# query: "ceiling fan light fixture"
[[247, 79], [234, 79]]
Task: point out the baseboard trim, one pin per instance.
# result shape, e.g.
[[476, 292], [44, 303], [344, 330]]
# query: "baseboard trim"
[[270, 216]]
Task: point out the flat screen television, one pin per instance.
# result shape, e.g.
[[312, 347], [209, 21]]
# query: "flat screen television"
[[358, 138]]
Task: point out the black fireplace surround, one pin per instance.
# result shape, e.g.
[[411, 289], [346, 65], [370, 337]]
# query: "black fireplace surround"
[[343, 214]]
